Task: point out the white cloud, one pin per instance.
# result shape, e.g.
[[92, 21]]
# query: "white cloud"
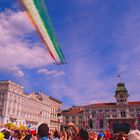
[[15, 50], [51, 72], [16, 71], [14, 23]]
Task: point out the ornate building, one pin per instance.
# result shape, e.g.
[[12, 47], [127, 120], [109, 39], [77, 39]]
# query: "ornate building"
[[119, 116], [27, 109]]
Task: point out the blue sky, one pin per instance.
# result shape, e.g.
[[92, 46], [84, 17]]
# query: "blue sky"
[[99, 39]]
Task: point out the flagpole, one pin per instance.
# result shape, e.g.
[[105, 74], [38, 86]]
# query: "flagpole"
[[119, 78]]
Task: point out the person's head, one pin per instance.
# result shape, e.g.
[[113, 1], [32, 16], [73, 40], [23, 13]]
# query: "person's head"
[[6, 134], [82, 135], [17, 134], [134, 135], [43, 130]]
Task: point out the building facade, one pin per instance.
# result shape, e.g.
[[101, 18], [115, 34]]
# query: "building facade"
[[27, 109], [55, 116], [121, 114]]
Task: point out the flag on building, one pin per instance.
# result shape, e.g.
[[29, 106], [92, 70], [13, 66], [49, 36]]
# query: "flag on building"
[[118, 76]]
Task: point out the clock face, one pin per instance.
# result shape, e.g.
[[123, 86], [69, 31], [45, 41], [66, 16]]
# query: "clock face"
[[121, 96]]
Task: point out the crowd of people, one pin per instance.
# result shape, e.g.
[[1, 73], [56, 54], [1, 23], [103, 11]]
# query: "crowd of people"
[[67, 133]]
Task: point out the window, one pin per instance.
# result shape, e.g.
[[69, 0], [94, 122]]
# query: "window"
[[67, 122], [0, 111], [73, 122], [94, 114], [1, 95], [9, 111], [80, 122], [123, 114], [121, 100], [67, 117], [107, 116], [131, 110], [107, 110], [101, 123], [114, 116], [113, 110], [132, 115], [100, 110], [73, 117]]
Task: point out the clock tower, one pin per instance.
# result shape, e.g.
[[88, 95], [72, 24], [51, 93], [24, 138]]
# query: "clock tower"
[[121, 94]]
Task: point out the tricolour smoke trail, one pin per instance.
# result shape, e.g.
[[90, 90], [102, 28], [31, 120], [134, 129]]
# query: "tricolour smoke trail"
[[38, 14]]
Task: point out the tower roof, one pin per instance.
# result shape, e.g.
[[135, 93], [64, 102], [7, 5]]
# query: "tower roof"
[[121, 89]]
